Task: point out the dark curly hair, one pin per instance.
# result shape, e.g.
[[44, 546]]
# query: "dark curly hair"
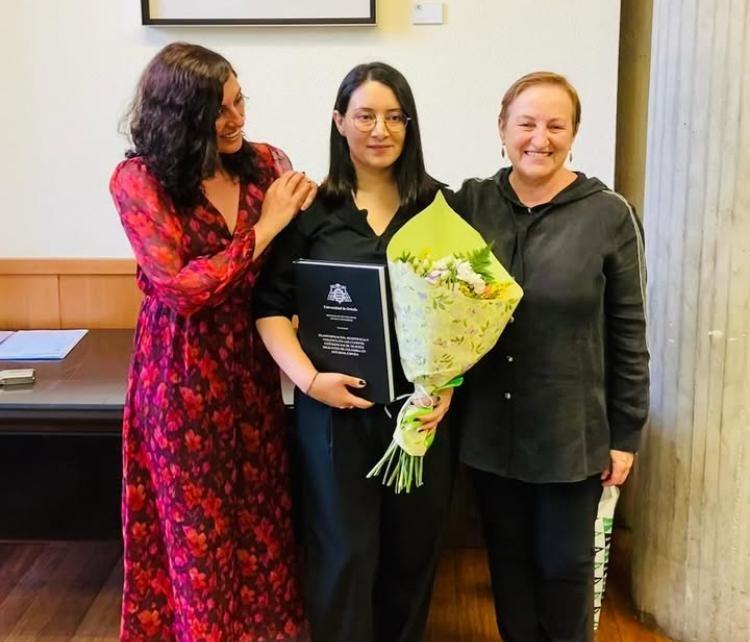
[[414, 184], [172, 123]]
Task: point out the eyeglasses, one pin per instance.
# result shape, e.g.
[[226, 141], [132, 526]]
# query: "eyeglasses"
[[395, 121]]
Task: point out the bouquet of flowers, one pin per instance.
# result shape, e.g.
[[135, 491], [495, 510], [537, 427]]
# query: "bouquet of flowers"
[[452, 298]]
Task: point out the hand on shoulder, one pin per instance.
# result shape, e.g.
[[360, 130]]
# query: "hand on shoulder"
[[289, 193]]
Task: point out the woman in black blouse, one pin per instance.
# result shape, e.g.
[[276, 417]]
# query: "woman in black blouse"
[[371, 554], [555, 410]]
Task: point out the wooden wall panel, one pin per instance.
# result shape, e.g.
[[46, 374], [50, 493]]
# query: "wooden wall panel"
[[67, 266], [29, 301], [54, 293], [98, 301]]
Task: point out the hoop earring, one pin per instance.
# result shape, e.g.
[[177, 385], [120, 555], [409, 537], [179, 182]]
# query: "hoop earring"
[[502, 151]]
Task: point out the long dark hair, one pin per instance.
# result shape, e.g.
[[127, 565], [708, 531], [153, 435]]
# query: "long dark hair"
[[414, 184], [172, 122]]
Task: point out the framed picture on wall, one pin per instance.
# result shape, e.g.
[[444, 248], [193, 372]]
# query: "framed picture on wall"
[[258, 12]]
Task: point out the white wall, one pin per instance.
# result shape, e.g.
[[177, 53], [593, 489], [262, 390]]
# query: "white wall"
[[70, 67]]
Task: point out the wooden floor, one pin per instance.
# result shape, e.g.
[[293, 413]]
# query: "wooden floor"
[[70, 592], [462, 611]]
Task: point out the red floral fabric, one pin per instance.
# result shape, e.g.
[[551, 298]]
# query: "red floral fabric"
[[209, 553]]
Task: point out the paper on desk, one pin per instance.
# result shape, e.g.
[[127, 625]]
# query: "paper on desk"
[[40, 344]]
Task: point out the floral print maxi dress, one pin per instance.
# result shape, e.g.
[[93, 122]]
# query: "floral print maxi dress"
[[206, 508]]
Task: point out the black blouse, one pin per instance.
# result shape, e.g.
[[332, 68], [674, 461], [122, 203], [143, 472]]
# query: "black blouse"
[[568, 379], [326, 233]]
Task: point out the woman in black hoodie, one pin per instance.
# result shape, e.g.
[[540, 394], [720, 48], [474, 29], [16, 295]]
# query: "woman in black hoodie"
[[555, 410]]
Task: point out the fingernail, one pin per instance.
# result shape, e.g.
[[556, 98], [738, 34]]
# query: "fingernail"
[[362, 383]]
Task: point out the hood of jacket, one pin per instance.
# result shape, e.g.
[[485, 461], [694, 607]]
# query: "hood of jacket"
[[580, 188]]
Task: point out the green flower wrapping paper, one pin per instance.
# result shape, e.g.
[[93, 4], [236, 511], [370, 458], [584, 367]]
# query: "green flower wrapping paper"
[[441, 331], [451, 300]]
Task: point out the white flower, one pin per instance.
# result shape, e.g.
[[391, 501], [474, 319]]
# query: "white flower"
[[464, 271], [435, 275], [466, 274], [479, 287], [438, 272]]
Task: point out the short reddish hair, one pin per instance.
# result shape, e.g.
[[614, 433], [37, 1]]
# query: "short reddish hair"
[[541, 78]]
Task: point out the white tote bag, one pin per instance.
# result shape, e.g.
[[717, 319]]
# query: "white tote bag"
[[602, 540]]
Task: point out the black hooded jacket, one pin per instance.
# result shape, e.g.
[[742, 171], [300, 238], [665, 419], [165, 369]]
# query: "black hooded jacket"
[[568, 379]]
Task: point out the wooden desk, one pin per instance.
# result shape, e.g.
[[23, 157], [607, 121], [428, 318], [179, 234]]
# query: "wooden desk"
[[77, 478], [81, 394], [60, 448]]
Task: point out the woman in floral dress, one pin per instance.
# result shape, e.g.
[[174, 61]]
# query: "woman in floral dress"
[[209, 553]]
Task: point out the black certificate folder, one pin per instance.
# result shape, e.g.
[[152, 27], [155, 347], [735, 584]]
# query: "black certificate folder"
[[343, 322]]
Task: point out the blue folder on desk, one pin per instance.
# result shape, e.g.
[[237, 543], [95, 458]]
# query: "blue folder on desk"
[[37, 345]]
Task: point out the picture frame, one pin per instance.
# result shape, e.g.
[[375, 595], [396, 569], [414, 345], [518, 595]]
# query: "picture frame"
[[258, 12]]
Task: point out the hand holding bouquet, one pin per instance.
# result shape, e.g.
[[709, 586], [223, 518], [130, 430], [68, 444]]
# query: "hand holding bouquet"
[[451, 298]]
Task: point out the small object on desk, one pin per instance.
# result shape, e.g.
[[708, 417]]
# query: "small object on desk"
[[17, 377], [28, 345], [4, 334]]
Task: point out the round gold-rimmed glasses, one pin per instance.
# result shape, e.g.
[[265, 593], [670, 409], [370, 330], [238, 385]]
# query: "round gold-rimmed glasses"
[[395, 121]]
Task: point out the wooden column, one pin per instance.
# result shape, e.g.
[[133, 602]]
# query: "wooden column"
[[691, 566]]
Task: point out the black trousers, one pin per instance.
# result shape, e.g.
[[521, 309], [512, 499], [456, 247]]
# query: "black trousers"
[[370, 554], [540, 544]]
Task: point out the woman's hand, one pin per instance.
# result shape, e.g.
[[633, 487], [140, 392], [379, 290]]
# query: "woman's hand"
[[332, 389], [284, 198], [620, 463], [312, 193], [442, 402]]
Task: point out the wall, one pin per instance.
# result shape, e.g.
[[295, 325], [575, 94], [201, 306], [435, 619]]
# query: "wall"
[[691, 560], [70, 68], [630, 148], [632, 100]]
